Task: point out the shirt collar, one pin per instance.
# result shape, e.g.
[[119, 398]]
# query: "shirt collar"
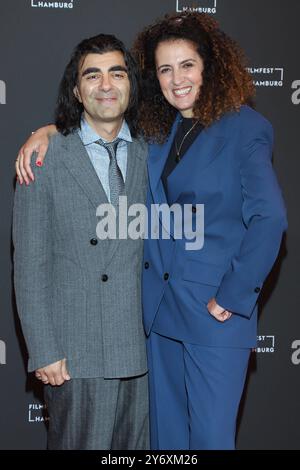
[[89, 136]]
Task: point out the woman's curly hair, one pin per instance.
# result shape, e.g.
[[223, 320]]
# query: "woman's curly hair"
[[226, 83]]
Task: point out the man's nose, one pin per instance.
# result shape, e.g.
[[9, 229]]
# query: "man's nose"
[[106, 82]]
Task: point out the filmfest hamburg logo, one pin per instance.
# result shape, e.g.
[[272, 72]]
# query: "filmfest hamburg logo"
[[265, 344], [2, 92], [41, 4], [37, 413], [201, 6], [2, 352], [267, 76]]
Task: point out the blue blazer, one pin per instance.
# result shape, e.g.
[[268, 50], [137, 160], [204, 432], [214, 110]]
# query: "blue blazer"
[[228, 169]]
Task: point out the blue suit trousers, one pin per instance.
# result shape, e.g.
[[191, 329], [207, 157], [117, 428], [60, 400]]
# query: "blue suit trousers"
[[195, 393]]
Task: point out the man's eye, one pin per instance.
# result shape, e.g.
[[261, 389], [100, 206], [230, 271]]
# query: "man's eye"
[[93, 77], [188, 65], [119, 75]]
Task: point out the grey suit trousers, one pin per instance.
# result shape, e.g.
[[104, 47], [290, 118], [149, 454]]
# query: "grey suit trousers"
[[98, 414]]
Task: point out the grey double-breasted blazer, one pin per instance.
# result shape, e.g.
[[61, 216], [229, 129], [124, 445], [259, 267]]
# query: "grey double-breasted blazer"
[[78, 297]]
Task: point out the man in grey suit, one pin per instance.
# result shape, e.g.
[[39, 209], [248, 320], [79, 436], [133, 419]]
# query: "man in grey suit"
[[78, 296]]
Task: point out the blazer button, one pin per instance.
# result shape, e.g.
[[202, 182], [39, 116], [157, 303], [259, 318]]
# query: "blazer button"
[[146, 265], [257, 290], [93, 241], [104, 277], [166, 276], [194, 209]]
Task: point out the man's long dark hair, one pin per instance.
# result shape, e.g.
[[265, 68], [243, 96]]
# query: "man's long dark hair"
[[68, 108]]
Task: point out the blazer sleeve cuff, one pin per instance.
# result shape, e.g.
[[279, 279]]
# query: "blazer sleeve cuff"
[[43, 360], [237, 295]]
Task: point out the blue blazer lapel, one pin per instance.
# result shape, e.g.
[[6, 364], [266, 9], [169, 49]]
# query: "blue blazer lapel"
[[156, 162], [198, 157]]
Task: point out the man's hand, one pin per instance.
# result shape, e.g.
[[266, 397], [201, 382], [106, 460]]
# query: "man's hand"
[[55, 373], [217, 311], [38, 142]]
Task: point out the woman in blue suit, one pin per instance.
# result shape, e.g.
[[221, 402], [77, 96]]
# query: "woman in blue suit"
[[208, 148]]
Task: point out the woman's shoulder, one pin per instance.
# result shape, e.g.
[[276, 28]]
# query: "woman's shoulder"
[[249, 123], [251, 118]]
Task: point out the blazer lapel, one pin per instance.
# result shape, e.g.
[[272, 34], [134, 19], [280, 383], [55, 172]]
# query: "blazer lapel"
[[198, 157], [80, 166], [156, 162], [77, 161], [135, 172], [136, 169]]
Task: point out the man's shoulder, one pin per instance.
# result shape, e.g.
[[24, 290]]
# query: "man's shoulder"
[[60, 144], [59, 141]]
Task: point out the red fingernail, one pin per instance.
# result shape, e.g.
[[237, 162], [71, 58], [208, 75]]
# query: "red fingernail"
[[39, 163]]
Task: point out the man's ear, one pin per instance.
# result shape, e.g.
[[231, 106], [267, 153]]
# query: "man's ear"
[[77, 94]]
